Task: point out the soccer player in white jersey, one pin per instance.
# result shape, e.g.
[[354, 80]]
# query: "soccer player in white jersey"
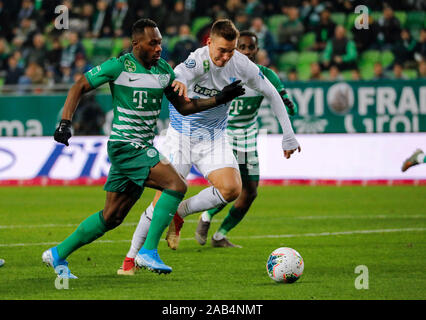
[[138, 81], [200, 139]]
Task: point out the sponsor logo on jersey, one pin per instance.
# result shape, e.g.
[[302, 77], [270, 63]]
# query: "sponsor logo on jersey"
[[190, 63], [232, 79], [205, 91], [129, 65], [261, 75]]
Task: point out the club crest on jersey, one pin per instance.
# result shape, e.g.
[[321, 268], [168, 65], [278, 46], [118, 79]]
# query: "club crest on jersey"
[[232, 79], [190, 63], [206, 66], [163, 79], [151, 153], [129, 65]]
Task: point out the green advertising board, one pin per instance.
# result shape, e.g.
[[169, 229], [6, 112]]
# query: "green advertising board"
[[324, 107]]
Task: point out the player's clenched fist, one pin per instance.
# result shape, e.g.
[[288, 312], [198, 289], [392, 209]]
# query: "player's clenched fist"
[[230, 92], [63, 132]]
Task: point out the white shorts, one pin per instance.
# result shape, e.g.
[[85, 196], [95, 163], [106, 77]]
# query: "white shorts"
[[207, 155]]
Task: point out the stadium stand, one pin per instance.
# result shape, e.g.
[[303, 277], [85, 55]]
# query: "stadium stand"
[[103, 29]]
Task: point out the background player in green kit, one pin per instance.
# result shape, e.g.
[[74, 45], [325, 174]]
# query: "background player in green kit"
[[242, 132], [137, 81]]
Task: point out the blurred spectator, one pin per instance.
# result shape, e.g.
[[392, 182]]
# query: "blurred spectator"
[[53, 56], [37, 52], [340, 51], [33, 75], [378, 71], [184, 46], [23, 32], [310, 12], [334, 74], [242, 20], [356, 75], [397, 72], [345, 6], [74, 47], [292, 75], [262, 58], [421, 70], [118, 15], [177, 17], [66, 73], [324, 30], [232, 7], [85, 18], [404, 49], [81, 65], [27, 11], [14, 71], [255, 8], [315, 72], [420, 50], [266, 40], [157, 11], [6, 24], [366, 39], [127, 46], [290, 32], [102, 20], [389, 28], [4, 55]]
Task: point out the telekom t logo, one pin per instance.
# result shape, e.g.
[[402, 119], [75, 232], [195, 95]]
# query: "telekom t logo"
[[139, 97]]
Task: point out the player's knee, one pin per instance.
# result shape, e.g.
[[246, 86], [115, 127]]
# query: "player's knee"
[[179, 185], [250, 196], [113, 221], [230, 192]]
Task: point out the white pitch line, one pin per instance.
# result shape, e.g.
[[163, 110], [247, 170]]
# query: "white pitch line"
[[132, 224], [320, 234]]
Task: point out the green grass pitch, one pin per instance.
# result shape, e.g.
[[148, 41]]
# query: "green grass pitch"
[[335, 229]]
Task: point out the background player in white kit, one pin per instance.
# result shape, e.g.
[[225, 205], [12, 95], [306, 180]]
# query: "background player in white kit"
[[200, 138]]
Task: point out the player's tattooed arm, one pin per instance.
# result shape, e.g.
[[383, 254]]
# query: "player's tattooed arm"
[[176, 93], [63, 132]]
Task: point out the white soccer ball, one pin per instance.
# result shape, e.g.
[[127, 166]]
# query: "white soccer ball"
[[285, 265]]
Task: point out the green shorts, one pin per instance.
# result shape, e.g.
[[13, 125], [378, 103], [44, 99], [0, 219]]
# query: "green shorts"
[[248, 163], [130, 167]]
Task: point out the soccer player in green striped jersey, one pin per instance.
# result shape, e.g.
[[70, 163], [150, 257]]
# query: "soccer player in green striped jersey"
[[137, 81], [242, 132]]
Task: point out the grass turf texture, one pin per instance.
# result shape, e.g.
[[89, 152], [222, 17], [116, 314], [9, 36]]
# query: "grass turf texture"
[[312, 220]]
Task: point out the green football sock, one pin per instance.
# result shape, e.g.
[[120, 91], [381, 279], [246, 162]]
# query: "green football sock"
[[88, 231], [234, 217], [163, 214], [214, 211]]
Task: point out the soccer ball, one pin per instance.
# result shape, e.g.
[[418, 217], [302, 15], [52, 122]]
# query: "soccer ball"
[[285, 265]]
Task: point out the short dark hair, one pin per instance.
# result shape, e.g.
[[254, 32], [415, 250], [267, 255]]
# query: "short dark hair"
[[224, 28], [140, 25], [247, 33]]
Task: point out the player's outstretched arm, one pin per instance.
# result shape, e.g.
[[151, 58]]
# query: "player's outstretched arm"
[[187, 106], [63, 132]]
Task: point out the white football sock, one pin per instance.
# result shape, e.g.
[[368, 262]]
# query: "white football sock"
[[205, 216], [421, 158], [141, 232], [206, 199], [218, 236]]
